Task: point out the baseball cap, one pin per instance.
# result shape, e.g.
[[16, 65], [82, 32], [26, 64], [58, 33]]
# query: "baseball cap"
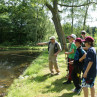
[[73, 36], [83, 31], [78, 40], [89, 39], [52, 37]]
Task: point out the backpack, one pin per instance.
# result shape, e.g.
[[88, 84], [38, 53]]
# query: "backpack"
[[55, 47]]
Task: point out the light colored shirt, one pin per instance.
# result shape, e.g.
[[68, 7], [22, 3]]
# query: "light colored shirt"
[[51, 48]]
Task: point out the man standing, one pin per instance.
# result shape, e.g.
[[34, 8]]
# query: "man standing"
[[53, 48], [83, 34]]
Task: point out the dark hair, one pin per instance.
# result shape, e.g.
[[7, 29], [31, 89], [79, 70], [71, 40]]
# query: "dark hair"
[[91, 43]]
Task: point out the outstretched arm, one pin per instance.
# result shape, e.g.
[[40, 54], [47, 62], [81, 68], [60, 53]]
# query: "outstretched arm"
[[43, 43], [85, 48]]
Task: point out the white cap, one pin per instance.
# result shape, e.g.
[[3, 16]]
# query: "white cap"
[[83, 31], [52, 37], [73, 36]]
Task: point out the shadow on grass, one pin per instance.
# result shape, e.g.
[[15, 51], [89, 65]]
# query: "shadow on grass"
[[67, 95], [58, 86], [42, 78]]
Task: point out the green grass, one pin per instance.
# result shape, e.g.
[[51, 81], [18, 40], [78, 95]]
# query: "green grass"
[[5, 48], [37, 82]]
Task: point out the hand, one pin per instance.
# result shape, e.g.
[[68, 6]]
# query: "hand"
[[55, 54], [71, 62], [80, 60], [85, 74], [66, 58], [66, 53]]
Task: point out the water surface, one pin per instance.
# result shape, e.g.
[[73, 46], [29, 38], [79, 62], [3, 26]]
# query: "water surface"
[[12, 64]]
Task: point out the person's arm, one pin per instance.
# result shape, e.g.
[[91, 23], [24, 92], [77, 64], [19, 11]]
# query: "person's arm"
[[87, 69], [59, 50], [82, 58], [70, 52], [43, 43], [85, 48]]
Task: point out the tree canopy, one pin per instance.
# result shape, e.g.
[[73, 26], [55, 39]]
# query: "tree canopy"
[[23, 21]]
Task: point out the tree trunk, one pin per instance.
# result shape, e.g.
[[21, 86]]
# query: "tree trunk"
[[85, 17], [72, 20], [59, 30], [72, 13], [56, 20]]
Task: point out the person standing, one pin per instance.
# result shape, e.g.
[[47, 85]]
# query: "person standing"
[[70, 55], [83, 34], [78, 65], [89, 74], [53, 48]]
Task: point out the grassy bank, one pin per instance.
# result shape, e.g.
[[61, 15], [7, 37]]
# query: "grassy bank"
[[37, 82], [5, 48]]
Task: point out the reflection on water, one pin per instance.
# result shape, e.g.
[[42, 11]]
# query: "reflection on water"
[[12, 64]]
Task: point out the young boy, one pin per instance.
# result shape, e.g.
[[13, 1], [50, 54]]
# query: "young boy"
[[71, 54], [89, 68], [78, 65]]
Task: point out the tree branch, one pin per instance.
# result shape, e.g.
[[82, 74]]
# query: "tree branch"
[[49, 7], [85, 4], [55, 2]]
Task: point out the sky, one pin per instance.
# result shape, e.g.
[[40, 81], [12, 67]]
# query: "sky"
[[91, 20]]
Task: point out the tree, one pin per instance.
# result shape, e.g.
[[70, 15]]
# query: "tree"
[[22, 22], [56, 19]]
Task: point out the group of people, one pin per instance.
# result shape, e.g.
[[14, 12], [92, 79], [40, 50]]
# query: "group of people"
[[81, 58]]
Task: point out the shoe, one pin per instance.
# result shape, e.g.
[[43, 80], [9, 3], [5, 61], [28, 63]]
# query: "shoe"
[[79, 91], [52, 74], [67, 82], [74, 90], [57, 73]]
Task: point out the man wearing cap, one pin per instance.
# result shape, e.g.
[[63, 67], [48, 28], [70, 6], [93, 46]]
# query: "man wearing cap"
[[53, 48], [89, 72], [71, 54], [78, 63], [83, 34]]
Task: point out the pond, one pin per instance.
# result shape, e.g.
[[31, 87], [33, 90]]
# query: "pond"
[[12, 64]]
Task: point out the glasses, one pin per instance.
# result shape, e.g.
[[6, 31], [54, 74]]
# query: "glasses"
[[83, 33]]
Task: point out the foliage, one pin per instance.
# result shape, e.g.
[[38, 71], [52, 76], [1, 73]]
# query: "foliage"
[[23, 22]]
